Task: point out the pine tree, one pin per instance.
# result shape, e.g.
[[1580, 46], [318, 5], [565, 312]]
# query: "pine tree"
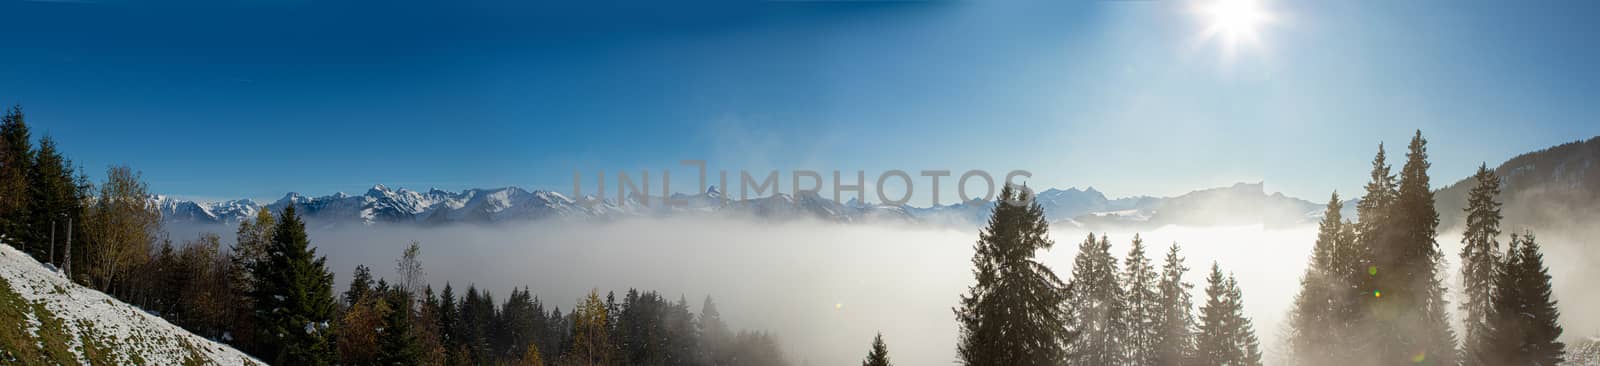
[[294, 298], [1416, 328], [1479, 262], [448, 315], [1243, 329], [248, 251], [1176, 324], [1357, 294], [472, 327], [715, 337], [1316, 333], [397, 344], [1099, 303], [1526, 321], [682, 343], [360, 286], [1014, 314], [1226, 336], [879, 356], [1143, 305], [54, 199], [16, 165]]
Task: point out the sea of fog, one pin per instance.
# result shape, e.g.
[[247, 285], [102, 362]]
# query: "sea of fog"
[[825, 288]]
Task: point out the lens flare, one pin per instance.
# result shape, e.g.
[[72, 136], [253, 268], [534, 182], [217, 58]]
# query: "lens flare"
[[1372, 270], [1376, 293]]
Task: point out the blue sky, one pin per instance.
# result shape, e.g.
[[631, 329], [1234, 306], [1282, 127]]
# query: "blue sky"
[[255, 99]]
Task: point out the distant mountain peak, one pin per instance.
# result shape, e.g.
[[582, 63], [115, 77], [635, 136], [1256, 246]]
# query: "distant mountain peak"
[[382, 204]]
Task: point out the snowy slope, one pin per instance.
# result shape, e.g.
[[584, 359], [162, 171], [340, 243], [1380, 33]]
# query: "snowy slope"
[[89, 327], [1585, 352]]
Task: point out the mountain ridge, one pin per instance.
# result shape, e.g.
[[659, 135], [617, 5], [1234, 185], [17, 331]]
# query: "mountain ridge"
[[1072, 206]]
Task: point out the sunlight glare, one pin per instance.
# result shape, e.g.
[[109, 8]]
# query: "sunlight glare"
[[1231, 22]]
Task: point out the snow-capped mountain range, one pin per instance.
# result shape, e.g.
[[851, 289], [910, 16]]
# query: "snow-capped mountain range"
[[1242, 203]]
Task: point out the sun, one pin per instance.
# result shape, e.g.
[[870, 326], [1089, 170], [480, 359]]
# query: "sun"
[[1234, 22]]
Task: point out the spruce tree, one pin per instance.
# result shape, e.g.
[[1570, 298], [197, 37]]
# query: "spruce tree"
[[1013, 315], [1226, 336], [1175, 324], [448, 315], [1143, 305], [360, 286], [715, 337], [16, 165], [1526, 321], [294, 298], [397, 343], [879, 356], [1479, 262], [248, 251], [1099, 303], [1243, 329], [1316, 332], [1415, 328], [54, 199]]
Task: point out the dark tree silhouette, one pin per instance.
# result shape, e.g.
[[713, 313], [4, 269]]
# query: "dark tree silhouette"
[[879, 356], [294, 298], [1014, 314], [1479, 261]]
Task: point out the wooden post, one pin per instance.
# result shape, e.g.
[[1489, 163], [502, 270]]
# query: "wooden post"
[[67, 258]]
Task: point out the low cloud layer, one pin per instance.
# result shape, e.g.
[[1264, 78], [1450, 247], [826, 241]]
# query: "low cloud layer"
[[826, 288]]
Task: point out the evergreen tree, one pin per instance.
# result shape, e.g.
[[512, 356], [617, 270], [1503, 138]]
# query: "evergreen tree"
[[1099, 303], [879, 356], [360, 286], [1479, 262], [1014, 314], [1356, 295], [249, 250], [715, 337], [294, 298], [682, 343], [757, 349], [55, 199], [1143, 305], [1226, 336], [397, 344], [1317, 333], [1526, 321], [16, 165], [426, 326], [1416, 328], [477, 314], [1175, 326], [448, 313]]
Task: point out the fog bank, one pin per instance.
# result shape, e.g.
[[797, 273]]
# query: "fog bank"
[[826, 288]]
